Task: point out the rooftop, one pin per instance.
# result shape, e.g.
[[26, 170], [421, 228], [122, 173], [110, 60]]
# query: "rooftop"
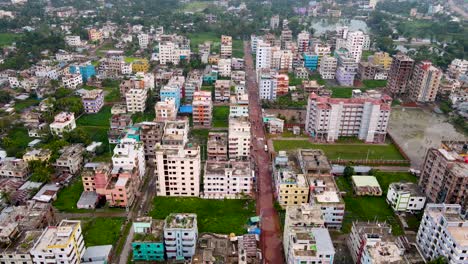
[[365, 181], [310, 241], [57, 236], [238, 168], [313, 161], [304, 214], [186, 221], [93, 94], [385, 252], [407, 187]]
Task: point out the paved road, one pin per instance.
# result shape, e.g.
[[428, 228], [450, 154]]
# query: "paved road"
[[270, 240]]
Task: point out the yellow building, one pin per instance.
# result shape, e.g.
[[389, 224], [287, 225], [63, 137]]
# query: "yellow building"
[[291, 188], [382, 58], [37, 154], [141, 65], [213, 59]]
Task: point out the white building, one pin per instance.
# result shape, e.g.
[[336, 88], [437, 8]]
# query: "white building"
[[71, 81], [354, 44], [458, 68], [282, 59], [135, 99], [328, 67], [129, 154], [310, 245], [63, 122], [443, 232], [143, 40], [226, 46], [267, 84], [405, 197], [239, 138], [227, 179], [60, 244], [322, 50], [73, 41], [303, 41], [263, 55], [365, 117], [383, 252], [165, 110], [180, 236], [224, 67], [168, 53], [239, 105]]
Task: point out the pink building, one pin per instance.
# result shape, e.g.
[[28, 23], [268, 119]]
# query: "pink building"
[[202, 108]]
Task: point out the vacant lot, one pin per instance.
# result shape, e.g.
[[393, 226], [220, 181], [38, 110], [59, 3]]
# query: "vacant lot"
[[8, 38], [102, 231], [344, 151], [20, 105], [200, 38], [220, 116], [69, 196], [385, 178], [217, 216], [100, 119]]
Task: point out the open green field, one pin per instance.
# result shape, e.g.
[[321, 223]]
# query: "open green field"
[[341, 92], [100, 119], [20, 105], [130, 59], [8, 38], [102, 231], [385, 178], [217, 216], [69, 196], [220, 116], [201, 38], [372, 84], [344, 151], [195, 6], [237, 48]]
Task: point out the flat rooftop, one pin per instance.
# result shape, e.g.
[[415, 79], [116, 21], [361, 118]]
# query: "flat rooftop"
[[185, 221], [409, 187], [239, 168], [313, 161], [365, 181]]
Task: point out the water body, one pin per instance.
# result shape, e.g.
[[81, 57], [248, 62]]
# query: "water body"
[[322, 25]]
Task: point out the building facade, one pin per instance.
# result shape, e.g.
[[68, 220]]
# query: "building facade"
[[424, 83], [180, 236], [399, 74]]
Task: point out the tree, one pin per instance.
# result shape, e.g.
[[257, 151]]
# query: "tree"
[[41, 171], [439, 260], [5, 97], [348, 171], [78, 135]]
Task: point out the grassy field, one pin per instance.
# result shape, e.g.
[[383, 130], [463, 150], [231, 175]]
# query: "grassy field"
[[217, 216], [69, 196], [102, 231], [195, 6], [8, 38], [100, 119], [385, 178], [20, 105], [372, 84], [237, 48], [344, 151], [220, 116], [201, 38], [130, 59]]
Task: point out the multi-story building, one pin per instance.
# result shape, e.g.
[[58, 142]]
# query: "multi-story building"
[[140, 65], [365, 117], [63, 122], [443, 233], [443, 175], [165, 110], [274, 22], [143, 40], [381, 58], [148, 242], [310, 60], [458, 68], [239, 138], [321, 50], [424, 83], [86, 70], [202, 108], [151, 134], [399, 74], [354, 44], [180, 236], [172, 92], [282, 84], [60, 244], [72, 81], [37, 154], [239, 105], [309, 245], [303, 39], [94, 35], [286, 37], [93, 101], [267, 84], [129, 154], [73, 41], [227, 179], [290, 188], [371, 71], [224, 67], [173, 49], [263, 55], [346, 67], [222, 90], [226, 46], [70, 160], [17, 168], [384, 252], [135, 99], [405, 197], [328, 67], [193, 83], [217, 146]]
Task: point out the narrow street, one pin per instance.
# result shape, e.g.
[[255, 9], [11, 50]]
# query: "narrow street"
[[270, 240]]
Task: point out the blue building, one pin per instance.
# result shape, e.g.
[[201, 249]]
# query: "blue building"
[[168, 92], [86, 71], [311, 61]]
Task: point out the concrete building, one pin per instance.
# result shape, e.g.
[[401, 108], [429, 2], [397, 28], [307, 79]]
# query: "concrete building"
[[70, 160], [443, 232], [458, 68], [274, 22], [73, 41], [37, 154], [263, 55], [286, 37], [148, 241], [202, 108], [60, 244], [239, 138], [405, 197], [87, 71], [328, 67], [151, 134], [311, 60], [424, 83], [180, 236], [193, 83], [72, 81], [224, 67], [222, 90], [303, 39], [310, 245], [143, 40], [346, 67], [135, 99], [365, 117], [381, 58], [282, 60], [443, 175], [226, 46], [217, 146], [93, 101], [140, 65], [227, 179], [63, 122], [17, 168], [366, 185], [165, 110], [94, 35], [354, 44], [129, 154], [399, 74], [239, 105], [321, 50], [171, 92], [384, 252], [173, 49], [267, 84], [326, 195], [290, 188]]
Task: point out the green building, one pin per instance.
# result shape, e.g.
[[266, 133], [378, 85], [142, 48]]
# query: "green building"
[[148, 251], [148, 243]]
